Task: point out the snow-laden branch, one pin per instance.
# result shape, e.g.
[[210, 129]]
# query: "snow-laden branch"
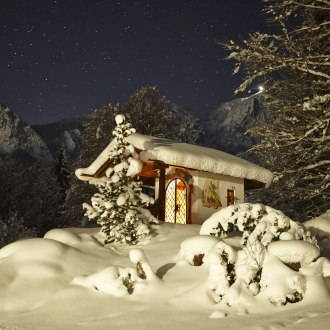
[[313, 72], [306, 167], [293, 65], [311, 6], [311, 28], [315, 128]]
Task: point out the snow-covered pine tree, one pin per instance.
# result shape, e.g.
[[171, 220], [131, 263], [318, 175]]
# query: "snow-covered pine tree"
[[119, 206]]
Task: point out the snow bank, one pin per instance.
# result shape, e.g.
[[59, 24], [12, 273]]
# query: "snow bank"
[[45, 283]]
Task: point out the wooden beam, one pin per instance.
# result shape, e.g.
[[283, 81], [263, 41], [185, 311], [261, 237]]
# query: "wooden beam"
[[250, 184], [162, 193], [103, 168]]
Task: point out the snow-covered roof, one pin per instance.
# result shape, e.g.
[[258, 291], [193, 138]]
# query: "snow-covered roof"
[[185, 155]]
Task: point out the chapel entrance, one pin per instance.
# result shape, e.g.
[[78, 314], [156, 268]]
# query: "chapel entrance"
[[176, 202]]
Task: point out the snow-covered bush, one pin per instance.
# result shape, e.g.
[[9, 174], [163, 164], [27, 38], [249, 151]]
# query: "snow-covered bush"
[[280, 284], [119, 205], [257, 222], [142, 266], [261, 225], [120, 281], [221, 270], [228, 267], [117, 281]]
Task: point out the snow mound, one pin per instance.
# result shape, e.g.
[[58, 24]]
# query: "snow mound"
[[294, 251], [113, 280], [326, 267], [120, 281], [144, 270], [320, 228], [217, 315], [34, 248], [320, 225], [196, 247], [280, 284], [63, 236]]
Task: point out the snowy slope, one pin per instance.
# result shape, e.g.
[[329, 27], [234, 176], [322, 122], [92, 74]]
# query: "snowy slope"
[[68, 280], [66, 133], [226, 126], [18, 138]]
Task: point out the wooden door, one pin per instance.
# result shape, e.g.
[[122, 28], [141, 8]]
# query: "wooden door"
[[176, 202]]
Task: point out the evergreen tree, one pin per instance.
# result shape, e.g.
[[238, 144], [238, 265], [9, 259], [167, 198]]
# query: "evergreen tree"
[[189, 128], [10, 170], [150, 113], [12, 229], [31, 195], [96, 133], [119, 205], [95, 137], [293, 65], [61, 169], [78, 193], [40, 197]]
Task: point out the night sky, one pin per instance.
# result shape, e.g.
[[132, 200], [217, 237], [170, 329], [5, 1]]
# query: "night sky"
[[65, 58]]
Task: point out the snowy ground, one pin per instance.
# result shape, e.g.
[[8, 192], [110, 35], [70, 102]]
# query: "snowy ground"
[[68, 281]]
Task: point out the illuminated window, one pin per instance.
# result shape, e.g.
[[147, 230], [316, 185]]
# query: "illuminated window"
[[176, 202], [230, 197]]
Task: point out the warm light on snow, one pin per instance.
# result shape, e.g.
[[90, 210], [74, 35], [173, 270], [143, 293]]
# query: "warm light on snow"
[[68, 280]]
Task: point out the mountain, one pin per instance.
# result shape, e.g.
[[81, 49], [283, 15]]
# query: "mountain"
[[226, 126], [64, 133], [19, 139]]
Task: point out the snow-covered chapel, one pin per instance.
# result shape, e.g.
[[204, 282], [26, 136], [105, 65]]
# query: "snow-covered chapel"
[[188, 182]]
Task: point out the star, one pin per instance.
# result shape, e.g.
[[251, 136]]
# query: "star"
[[107, 49]]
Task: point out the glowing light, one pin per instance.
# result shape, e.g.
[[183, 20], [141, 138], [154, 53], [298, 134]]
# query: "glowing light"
[[260, 90]]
